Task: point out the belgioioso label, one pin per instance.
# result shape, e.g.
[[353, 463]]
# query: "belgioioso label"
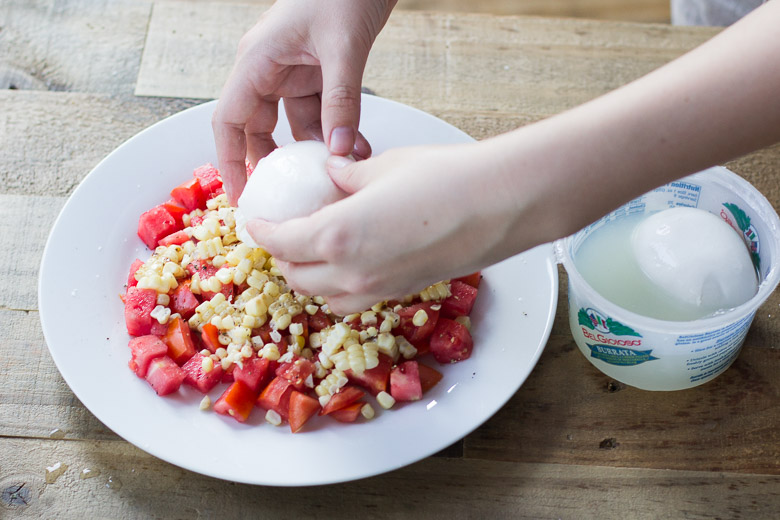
[[624, 357], [613, 350]]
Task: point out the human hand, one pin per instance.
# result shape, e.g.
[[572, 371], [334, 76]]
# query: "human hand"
[[415, 216], [310, 53]]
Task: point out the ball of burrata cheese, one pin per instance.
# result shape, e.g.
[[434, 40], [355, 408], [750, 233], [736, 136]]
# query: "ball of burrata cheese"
[[288, 183], [696, 258]]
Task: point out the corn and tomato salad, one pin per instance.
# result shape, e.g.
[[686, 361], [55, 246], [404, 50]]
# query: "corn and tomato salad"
[[207, 310]]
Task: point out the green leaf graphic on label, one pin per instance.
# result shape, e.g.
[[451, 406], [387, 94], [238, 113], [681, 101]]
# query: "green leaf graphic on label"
[[742, 220], [618, 329], [624, 357], [584, 319]]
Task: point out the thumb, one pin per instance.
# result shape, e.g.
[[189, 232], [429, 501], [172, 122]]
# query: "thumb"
[[342, 75], [346, 173]]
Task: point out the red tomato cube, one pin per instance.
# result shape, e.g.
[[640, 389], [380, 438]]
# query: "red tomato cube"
[[405, 382], [472, 279], [164, 375], [131, 281], [176, 238], [412, 332], [179, 341], [183, 301], [451, 342], [319, 321], [429, 377], [348, 414], [374, 379], [276, 397], [139, 304], [210, 337], [341, 399], [460, 302], [302, 408], [190, 195], [197, 377], [176, 210], [154, 225], [143, 350], [208, 178], [297, 372], [237, 401], [255, 373]]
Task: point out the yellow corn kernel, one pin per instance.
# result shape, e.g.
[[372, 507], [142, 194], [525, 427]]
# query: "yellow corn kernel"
[[367, 411], [465, 321], [270, 351], [368, 318], [224, 275], [385, 400], [271, 289], [163, 299], [207, 364], [273, 417], [218, 261], [420, 318], [205, 403], [283, 322]]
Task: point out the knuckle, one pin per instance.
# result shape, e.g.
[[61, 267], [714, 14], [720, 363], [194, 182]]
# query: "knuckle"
[[336, 244], [342, 96]]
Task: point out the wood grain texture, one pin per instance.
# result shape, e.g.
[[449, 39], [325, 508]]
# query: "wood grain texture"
[[435, 488], [537, 66]]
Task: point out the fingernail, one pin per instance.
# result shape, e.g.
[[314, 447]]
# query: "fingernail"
[[342, 139], [336, 162]]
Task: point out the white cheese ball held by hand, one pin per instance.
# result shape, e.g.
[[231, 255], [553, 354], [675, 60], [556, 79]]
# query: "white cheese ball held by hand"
[[696, 258], [288, 183]]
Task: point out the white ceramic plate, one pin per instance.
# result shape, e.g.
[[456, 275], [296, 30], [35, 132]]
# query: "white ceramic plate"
[[85, 266]]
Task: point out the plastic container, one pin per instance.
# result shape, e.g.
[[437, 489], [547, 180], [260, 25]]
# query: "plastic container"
[[654, 354]]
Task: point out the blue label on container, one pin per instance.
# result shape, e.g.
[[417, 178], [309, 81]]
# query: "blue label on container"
[[620, 356]]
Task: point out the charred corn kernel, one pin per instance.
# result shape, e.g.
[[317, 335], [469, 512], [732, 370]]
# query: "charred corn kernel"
[[311, 309], [221, 353], [324, 399], [161, 314], [315, 340], [174, 268], [406, 349], [275, 271], [364, 335], [386, 326], [195, 284], [283, 322], [224, 275], [270, 351], [420, 318], [195, 321], [319, 300], [271, 289], [385, 400], [465, 321], [239, 277], [247, 351], [163, 299], [368, 318], [207, 365], [224, 339], [367, 411], [273, 418], [307, 353], [296, 329], [229, 238], [372, 332], [387, 345], [255, 307], [218, 261], [378, 306], [351, 317], [205, 403], [240, 334]]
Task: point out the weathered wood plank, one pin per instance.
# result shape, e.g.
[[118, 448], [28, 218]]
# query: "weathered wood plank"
[[132, 484], [78, 45], [51, 140], [537, 66]]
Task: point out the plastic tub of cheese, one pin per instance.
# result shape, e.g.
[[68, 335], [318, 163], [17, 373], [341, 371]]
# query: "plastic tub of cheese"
[[661, 294]]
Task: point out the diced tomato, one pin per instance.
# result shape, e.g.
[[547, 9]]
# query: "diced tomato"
[[302, 318], [143, 350], [183, 301], [318, 321], [210, 337], [297, 372], [203, 268], [451, 342], [179, 341], [255, 372], [227, 375], [405, 382], [302, 408], [164, 375], [276, 396], [190, 195], [348, 414], [460, 302], [265, 334], [343, 398], [139, 304], [176, 210], [237, 401], [227, 290], [208, 177], [131, 281], [154, 225], [472, 279], [412, 332], [429, 377], [374, 379], [176, 238], [199, 378]]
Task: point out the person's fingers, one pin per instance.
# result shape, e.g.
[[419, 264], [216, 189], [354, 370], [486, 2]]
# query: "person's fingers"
[[303, 114], [347, 174], [344, 304], [289, 241], [313, 279], [341, 78], [259, 130]]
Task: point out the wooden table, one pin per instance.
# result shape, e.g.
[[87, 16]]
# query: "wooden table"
[[80, 77]]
